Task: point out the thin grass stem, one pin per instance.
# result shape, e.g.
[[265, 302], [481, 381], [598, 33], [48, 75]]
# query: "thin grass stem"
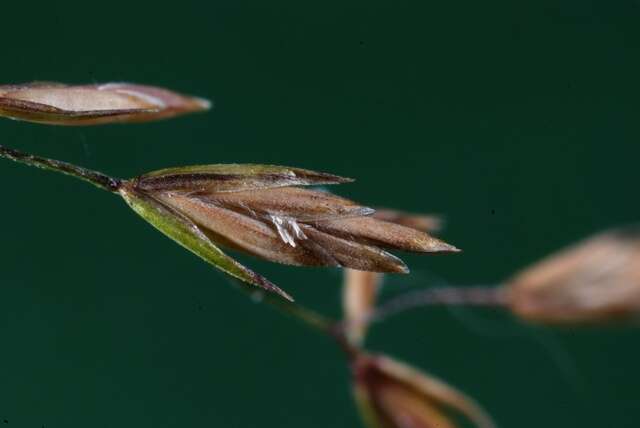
[[96, 178], [479, 296]]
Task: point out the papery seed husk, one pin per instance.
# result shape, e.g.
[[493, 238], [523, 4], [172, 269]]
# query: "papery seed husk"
[[397, 395], [304, 246], [239, 231], [407, 410], [303, 205], [355, 255], [594, 281], [218, 178], [385, 234], [58, 104]]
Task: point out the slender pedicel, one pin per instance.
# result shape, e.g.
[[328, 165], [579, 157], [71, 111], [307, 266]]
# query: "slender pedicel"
[[96, 178], [479, 296]]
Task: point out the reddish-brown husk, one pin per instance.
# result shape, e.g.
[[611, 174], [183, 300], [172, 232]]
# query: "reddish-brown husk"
[[594, 281], [95, 104]]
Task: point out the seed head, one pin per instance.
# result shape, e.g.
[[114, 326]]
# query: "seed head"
[[256, 209]]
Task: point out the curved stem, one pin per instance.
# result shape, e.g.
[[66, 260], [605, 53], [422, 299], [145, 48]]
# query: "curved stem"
[[307, 316], [319, 322], [484, 296], [96, 178]]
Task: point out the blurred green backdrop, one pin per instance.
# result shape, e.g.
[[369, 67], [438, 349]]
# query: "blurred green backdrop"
[[516, 120]]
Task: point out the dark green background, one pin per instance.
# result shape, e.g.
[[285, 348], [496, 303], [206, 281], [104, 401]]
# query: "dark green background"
[[516, 120]]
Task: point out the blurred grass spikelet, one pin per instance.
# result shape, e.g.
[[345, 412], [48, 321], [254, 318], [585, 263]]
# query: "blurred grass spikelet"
[[359, 295], [391, 394], [593, 281], [95, 104]]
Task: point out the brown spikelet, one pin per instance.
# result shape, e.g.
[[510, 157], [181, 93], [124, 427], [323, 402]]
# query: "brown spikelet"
[[593, 281], [385, 234], [96, 104], [278, 235], [258, 210], [221, 178], [391, 394]]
